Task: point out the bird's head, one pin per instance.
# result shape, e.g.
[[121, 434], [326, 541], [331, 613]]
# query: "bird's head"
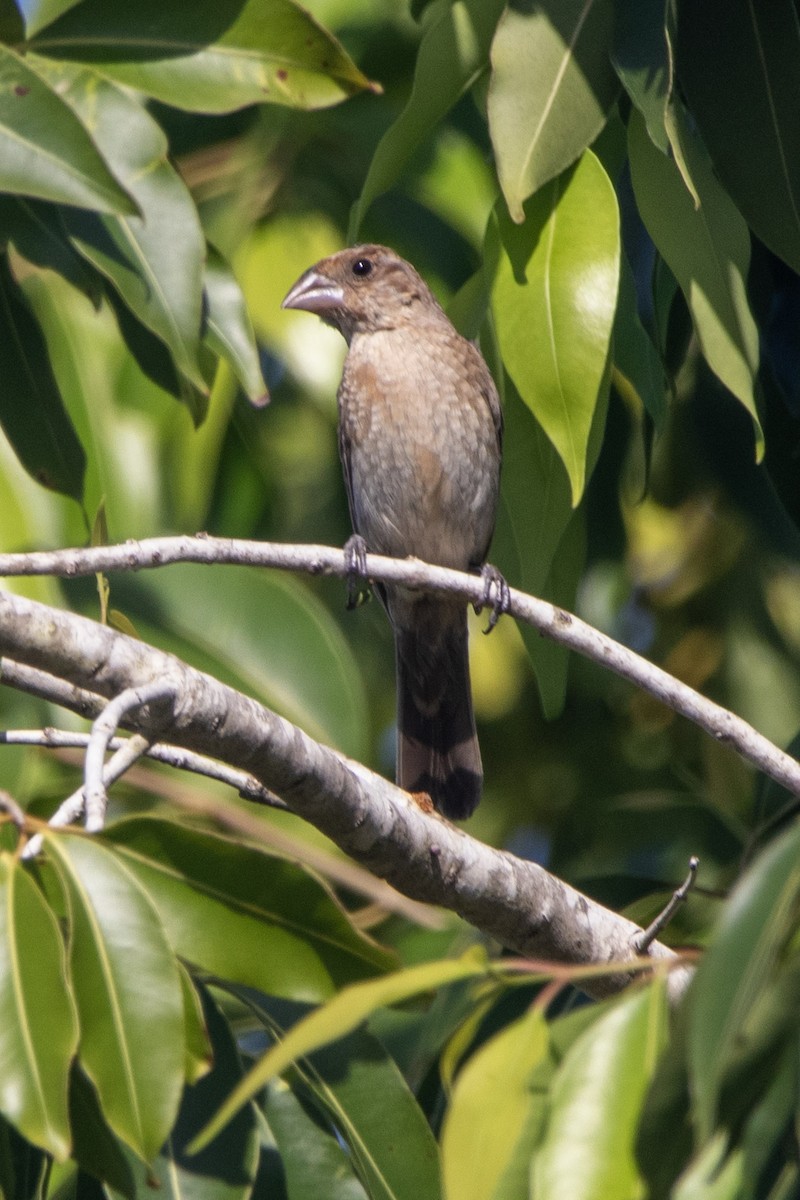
[[363, 289]]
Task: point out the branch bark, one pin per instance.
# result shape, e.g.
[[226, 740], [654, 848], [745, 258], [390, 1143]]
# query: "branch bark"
[[514, 901], [550, 621]]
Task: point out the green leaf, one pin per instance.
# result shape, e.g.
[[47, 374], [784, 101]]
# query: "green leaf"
[[244, 915], [32, 413], [228, 330], [95, 1148], [128, 993], [341, 1016], [735, 974], [708, 251], [554, 300], [551, 89], [279, 625], [453, 53], [642, 56], [212, 56], [199, 1053], [45, 150], [154, 260], [598, 1091], [489, 1109], [12, 29], [739, 64], [635, 357], [38, 1028], [37, 232], [313, 1160]]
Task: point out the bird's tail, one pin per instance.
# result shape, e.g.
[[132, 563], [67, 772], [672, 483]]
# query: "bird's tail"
[[437, 746]]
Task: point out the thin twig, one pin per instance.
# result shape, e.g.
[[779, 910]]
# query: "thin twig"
[[643, 941]]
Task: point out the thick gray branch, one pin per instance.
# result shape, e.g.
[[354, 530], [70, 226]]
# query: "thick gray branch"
[[423, 856]]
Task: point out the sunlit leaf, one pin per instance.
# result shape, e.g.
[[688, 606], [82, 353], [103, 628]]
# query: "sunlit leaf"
[[552, 86], [244, 915], [453, 52], [478, 1139], [32, 413], [733, 976], [45, 150], [210, 56], [38, 1028], [128, 993], [600, 1088], [341, 1016], [155, 261], [554, 301], [708, 251], [739, 63]]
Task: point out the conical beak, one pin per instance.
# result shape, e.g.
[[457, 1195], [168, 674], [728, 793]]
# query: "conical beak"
[[315, 293]]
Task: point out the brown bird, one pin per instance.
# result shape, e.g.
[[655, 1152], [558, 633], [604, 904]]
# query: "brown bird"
[[420, 438]]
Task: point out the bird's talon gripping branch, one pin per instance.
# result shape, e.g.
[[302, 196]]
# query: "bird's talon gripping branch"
[[355, 554], [496, 595]]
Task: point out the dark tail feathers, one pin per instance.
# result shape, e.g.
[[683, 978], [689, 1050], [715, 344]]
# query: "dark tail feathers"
[[437, 747]]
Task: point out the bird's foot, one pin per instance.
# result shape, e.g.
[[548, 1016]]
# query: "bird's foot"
[[496, 595], [355, 555]]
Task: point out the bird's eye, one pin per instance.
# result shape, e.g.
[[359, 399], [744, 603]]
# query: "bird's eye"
[[362, 267]]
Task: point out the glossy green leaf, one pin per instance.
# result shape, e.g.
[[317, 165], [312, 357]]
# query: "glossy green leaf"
[[45, 150], [480, 1133], [228, 330], [735, 972], [708, 251], [32, 413], [357, 1086], [313, 1160], [128, 993], [341, 1016], [551, 89], [595, 1103], [38, 1028], [211, 56], [199, 1054], [155, 260], [453, 53], [244, 915], [554, 300], [643, 59], [739, 63], [279, 625]]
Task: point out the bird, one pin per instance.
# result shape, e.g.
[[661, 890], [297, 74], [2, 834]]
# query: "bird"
[[420, 440]]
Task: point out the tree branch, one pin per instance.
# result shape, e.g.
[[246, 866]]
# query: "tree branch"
[[550, 621], [514, 901]]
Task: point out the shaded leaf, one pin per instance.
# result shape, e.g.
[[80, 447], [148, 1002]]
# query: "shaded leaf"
[[554, 300], [244, 915], [95, 1148], [32, 413], [341, 1016], [635, 356], [155, 260], [739, 63], [552, 86], [37, 231], [708, 251], [480, 1135], [453, 53], [45, 150], [314, 1161], [228, 330], [212, 56], [38, 1029], [127, 990], [643, 59], [12, 29]]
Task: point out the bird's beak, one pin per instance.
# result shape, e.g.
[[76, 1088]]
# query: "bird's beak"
[[314, 292]]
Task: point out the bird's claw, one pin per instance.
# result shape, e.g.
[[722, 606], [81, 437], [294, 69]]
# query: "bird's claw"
[[355, 555], [496, 595]]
